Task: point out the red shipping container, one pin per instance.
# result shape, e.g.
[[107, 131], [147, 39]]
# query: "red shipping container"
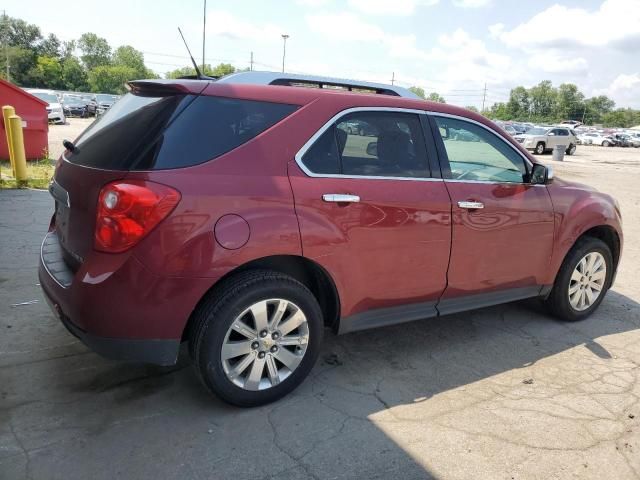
[[35, 123]]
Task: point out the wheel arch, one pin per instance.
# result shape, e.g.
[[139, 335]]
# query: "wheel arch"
[[304, 270], [608, 235]]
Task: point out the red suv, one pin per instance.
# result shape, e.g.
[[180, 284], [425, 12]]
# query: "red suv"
[[244, 219]]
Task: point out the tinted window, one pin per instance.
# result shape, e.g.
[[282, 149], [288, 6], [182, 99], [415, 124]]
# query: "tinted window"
[[381, 144], [323, 156], [477, 154], [151, 133]]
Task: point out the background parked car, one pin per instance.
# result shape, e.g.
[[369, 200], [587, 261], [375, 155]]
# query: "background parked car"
[[104, 102], [543, 139], [600, 139], [74, 106], [90, 102], [54, 108]]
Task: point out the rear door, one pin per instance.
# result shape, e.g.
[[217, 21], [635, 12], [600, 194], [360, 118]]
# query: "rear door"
[[371, 213], [502, 225]]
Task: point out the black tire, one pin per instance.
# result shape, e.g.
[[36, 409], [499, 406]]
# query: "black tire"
[[540, 148], [571, 149], [223, 304], [558, 300], [605, 144]]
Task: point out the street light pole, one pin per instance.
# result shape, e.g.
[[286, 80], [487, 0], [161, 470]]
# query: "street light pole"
[[284, 49], [204, 32]]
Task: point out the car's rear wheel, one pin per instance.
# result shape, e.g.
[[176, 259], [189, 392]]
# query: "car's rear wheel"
[[583, 280], [571, 150], [540, 148], [256, 338]]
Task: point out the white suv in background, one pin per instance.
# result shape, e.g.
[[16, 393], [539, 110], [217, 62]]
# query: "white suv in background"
[[54, 107], [544, 139]]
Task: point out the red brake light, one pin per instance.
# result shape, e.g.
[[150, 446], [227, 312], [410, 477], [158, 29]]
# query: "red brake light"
[[128, 210]]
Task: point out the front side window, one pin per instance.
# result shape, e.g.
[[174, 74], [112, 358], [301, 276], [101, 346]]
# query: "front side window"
[[478, 155], [372, 144]]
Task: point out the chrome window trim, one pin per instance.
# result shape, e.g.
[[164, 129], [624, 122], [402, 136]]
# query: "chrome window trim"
[[326, 126], [342, 113]]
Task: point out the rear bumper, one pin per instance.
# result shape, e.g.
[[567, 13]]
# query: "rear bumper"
[[117, 316], [155, 351]]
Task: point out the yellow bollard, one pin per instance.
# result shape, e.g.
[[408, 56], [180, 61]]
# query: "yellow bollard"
[[7, 111], [17, 148]]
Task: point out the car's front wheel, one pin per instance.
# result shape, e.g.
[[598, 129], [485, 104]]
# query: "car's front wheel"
[[540, 148], [256, 338], [583, 280], [605, 143]]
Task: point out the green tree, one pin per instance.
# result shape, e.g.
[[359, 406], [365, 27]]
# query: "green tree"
[[596, 107], [96, 51], [436, 97], [418, 91], [570, 105], [110, 78], [68, 48], [19, 33], [74, 76], [519, 104], [543, 101], [51, 47], [20, 40], [47, 73], [217, 71], [499, 111], [622, 117], [127, 56], [472, 108]]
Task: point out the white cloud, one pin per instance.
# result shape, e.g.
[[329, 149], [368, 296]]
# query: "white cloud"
[[554, 63], [616, 23], [227, 25], [472, 3], [389, 7], [313, 3], [346, 26], [624, 90], [496, 30]]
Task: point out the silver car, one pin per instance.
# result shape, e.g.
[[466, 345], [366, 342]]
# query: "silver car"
[[544, 139]]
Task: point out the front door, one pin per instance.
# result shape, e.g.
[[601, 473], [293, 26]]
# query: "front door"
[[371, 214], [502, 225]]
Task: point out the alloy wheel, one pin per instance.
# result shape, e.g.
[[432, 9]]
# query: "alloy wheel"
[[265, 344], [587, 281]]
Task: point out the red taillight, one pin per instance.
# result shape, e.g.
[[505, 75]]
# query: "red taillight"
[[128, 210]]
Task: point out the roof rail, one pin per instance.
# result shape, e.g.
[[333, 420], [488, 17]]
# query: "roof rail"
[[314, 81]]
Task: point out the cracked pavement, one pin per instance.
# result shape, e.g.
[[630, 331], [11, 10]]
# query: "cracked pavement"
[[500, 393]]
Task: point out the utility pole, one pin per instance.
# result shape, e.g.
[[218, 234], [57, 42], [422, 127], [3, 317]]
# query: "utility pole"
[[393, 77], [484, 96], [204, 28], [251, 63], [584, 112], [284, 49], [6, 43]]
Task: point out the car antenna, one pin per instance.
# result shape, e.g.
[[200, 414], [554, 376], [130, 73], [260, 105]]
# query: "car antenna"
[[195, 65]]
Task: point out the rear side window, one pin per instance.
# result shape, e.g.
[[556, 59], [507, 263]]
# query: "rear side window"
[[154, 133], [371, 144]]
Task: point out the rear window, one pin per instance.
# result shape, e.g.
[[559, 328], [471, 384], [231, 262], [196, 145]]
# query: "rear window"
[[154, 133]]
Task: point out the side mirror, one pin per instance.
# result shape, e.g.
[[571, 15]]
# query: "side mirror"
[[541, 175], [372, 149]]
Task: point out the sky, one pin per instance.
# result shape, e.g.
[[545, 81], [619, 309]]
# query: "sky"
[[453, 47]]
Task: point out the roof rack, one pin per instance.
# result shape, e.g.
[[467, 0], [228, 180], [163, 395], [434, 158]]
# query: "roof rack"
[[314, 81]]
